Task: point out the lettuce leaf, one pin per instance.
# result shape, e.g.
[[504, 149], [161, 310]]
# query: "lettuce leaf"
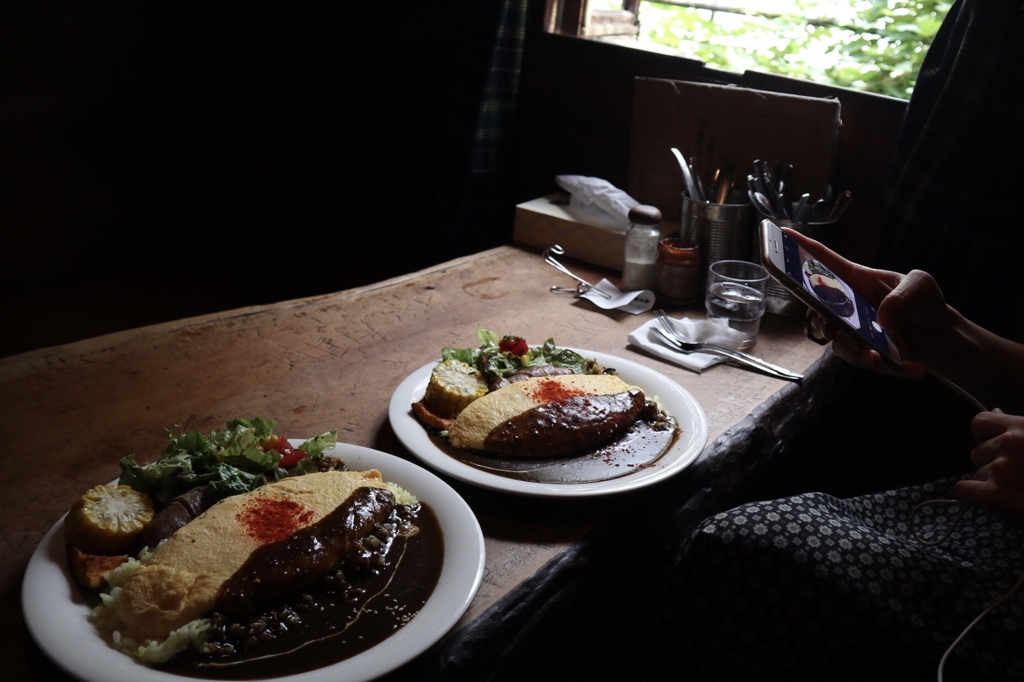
[[493, 362], [229, 461]]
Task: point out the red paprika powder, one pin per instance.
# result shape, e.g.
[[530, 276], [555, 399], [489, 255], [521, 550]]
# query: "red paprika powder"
[[550, 391], [270, 519]]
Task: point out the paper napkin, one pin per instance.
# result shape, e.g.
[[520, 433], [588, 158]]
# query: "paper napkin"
[[712, 331]]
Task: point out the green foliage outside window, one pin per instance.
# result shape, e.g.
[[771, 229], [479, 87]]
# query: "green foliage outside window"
[[876, 46]]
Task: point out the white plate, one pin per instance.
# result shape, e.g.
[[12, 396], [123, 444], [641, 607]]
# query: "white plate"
[[56, 613], [675, 400]]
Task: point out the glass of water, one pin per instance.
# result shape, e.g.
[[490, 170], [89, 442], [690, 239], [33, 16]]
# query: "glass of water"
[[736, 294]]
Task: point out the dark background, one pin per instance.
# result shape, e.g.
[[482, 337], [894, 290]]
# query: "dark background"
[[163, 160]]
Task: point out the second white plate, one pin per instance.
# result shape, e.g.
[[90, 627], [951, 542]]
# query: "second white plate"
[[675, 400]]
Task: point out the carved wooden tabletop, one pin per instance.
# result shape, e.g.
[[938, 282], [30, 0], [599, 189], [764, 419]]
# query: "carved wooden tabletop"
[[329, 362]]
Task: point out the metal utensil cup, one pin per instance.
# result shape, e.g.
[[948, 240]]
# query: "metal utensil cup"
[[723, 231]]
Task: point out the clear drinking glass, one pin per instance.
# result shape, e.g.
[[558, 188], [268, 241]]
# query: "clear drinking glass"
[[736, 292]]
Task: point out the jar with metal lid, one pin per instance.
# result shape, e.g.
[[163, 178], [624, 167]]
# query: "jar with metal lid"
[[677, 271], [641, 247]]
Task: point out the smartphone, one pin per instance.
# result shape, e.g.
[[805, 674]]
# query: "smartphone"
[[820, 289]]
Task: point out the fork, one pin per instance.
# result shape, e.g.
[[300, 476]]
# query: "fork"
[[671, 336]]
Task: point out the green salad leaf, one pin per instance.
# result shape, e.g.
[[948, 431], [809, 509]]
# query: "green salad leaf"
[[230, 461], [493, 361], [314, 449]]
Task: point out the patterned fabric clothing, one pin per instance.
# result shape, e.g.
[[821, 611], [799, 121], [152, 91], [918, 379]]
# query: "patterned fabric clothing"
[[813, 587], [950, 211]]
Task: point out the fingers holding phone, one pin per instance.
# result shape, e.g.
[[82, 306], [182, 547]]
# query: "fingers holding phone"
[[874, 285], [898, 318], [820, 330], [916, 308], [817, 277]]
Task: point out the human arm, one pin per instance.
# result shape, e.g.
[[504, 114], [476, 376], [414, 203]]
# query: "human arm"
[[933, 337]]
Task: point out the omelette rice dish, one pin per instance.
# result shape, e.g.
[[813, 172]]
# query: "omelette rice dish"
[[214, 562]]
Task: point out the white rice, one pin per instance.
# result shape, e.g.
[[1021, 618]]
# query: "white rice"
[[402, 496], [104, 616]]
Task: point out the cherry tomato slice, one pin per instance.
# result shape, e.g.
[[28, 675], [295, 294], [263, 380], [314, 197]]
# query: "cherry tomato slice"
[[515, 345], [289, 456]]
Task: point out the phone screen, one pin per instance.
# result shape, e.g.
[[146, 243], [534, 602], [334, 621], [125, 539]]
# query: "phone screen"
[[849, 306]]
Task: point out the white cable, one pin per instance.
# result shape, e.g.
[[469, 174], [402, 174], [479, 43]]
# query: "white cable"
[[956, 521], [992, 607], [961, 392], [932, 543]]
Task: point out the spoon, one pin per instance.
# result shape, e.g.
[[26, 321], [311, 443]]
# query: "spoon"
[[690, 184], [762, 204], [725, 183]]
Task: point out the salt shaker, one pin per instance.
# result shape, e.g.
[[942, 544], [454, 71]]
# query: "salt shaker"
[[641, 250]]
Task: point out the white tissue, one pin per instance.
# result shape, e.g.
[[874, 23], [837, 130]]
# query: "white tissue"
[[598, 198], [606, 295]]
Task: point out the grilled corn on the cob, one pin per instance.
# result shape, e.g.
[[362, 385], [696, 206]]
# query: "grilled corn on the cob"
[[108, 519], [453, 385]]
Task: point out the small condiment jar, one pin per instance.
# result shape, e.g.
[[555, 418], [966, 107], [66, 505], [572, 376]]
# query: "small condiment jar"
[[677, 271]]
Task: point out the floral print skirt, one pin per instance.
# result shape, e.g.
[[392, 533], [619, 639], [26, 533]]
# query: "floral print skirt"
[[812, 587]]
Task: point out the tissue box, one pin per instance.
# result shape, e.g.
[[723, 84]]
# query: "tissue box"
[[549, 220], [723, 124]]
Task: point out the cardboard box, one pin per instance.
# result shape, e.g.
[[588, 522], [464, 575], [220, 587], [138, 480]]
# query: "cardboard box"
[[550, 220], [716, 125]]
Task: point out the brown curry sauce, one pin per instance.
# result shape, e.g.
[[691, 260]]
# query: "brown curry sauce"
[[644, 443], [372, 593]]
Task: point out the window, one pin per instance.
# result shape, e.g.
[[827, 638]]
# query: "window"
[[871, 45]]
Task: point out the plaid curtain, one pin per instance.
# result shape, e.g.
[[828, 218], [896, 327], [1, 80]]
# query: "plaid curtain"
[[483, 214], [497, 106]]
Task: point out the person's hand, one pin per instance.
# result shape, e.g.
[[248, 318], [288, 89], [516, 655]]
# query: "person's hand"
[[911, 309], [998, 483]]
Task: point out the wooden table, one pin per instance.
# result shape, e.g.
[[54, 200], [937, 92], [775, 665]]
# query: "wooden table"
[[68, 413]]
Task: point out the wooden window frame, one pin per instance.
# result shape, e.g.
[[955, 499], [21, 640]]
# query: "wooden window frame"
[[571, 17]]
